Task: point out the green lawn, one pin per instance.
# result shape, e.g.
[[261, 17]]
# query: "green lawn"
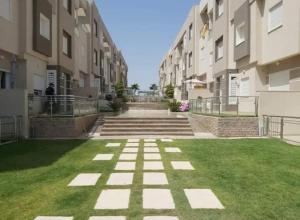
[[254, 179]]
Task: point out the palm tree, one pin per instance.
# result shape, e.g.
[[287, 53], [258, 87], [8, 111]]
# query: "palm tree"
[[153, 87], [135, 87]]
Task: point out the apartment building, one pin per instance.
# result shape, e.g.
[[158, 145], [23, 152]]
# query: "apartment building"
[[243, 48], [63, 42]]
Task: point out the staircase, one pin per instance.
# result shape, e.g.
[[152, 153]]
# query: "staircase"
[[121, 126]]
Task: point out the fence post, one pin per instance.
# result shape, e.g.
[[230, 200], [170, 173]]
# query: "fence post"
[[281, 127], [237, 106], [15, 124], [267, 125], [256, 106], [220, 105], [51, 106], [0, 130]]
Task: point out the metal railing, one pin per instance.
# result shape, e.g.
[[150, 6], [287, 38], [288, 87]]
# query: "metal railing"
[[61, 105], [226, 106], [10, 128], [147, 98], [283, 127]]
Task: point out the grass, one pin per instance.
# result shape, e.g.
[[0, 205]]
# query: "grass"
[[254, 179]]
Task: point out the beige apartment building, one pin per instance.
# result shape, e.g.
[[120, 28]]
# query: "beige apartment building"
[[63, 42], [243, 48]]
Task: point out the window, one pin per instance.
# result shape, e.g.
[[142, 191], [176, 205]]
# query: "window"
[[219, 49], [219, 8], [68, 5], [5, 9], [81, 82], [96, 57], [190, 59], [279, 81], [191, 31], [240, 34], [96, 28], [275, 17], [44, 26], [6, 81], [67, 44]]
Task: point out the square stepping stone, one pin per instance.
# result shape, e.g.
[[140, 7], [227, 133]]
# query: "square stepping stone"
[[107, 218], [153, 165], [150, 144], [133, 140], [126, 156], [132, 145], [113, 199], [155, 179], [130, 150], [53, 218], [151, 150], [152, 156], [158, 199], [182, 165], [172, 150], [113, 145], [203, 199], [120, 179], [85, 179], [166, 140], [104, 157], [160, 218], [149, 140], [125, 166]]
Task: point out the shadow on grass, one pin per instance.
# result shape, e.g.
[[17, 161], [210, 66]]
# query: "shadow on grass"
[[33, 154]]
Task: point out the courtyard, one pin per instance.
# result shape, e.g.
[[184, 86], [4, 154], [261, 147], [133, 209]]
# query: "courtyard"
[[140, 179]]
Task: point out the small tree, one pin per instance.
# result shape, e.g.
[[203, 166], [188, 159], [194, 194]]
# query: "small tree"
[[169, 91], [135, 87], [153, 87], [119, 89]]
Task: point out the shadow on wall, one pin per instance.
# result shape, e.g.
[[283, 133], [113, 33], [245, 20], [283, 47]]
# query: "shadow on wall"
[[34, 154]]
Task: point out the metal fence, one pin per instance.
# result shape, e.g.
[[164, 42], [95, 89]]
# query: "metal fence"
[[147, 98], [226, 105], [283, 127], [61, 105], [10, 128]]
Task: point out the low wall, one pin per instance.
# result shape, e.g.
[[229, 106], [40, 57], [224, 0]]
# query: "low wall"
[[61, 127], [227, 126]]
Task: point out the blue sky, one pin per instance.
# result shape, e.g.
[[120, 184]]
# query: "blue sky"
[[144, 31]]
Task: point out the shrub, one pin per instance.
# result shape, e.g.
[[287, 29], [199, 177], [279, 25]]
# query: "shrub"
[[174, 106], [115, 105], [169, 92], [119, 89], [184, 107]]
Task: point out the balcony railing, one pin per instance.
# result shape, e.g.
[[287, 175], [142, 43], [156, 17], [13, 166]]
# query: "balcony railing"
[[283, 127], [226, 106], [10, 128], [61, 106]]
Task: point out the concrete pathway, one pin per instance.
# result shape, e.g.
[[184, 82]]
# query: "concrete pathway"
[[153, 174]]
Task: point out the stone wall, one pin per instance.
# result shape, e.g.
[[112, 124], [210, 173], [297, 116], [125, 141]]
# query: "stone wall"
[[61, 127], [227, 126]]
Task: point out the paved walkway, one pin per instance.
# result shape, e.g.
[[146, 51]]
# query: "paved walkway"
[[156, 194]]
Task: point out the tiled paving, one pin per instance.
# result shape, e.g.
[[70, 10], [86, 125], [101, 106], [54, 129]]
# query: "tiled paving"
[[113, 145], [104, 157], [125, 166], [120, 179], [130, 150], [151, 150], [113, 199], [155, 179], [152, 156], [157, 198], [153, 165], [203, 199], [53, 218], [182, 165], [161, 218], [172, 150], [107, 218], [127, 156], [150, 145], [85, 179]]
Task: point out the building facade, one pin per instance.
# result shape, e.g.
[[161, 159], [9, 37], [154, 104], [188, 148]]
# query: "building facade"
[[63, 42], [242, 48]]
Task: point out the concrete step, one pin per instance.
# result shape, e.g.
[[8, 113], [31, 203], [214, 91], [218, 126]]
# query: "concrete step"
[[157, 129], [147, 133], [147, 125], [145, 118], [145, 122]]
